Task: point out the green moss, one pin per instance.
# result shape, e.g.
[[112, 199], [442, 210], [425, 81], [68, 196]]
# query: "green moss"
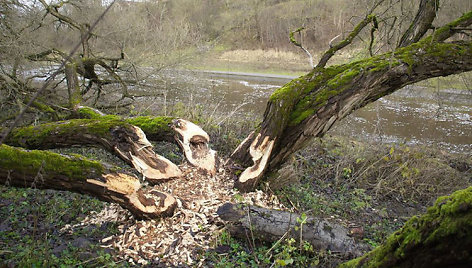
[[450, 219], [43, 107], [153, 126], [88, 113], [30, 162], [36, 136], [309, 93], [447, 28]]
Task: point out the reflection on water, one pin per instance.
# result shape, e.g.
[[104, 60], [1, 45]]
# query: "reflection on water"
[[411, 115]]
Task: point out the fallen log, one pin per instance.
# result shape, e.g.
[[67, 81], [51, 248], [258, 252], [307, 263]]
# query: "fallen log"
[[125, 140], [156, 128], [192, 139], [270, 225], [47, 170]]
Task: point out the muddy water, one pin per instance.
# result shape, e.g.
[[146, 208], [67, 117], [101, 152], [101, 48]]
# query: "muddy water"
[[412, 115]]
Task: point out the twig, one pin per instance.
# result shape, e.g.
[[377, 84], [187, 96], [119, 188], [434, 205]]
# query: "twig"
[[59, 70], [293, 41], [348, 40]]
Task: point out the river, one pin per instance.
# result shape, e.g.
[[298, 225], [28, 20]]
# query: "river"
[[412, 115]]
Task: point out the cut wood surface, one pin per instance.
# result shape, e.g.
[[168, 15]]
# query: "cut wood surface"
[[125, 140], [260, 152], [47, 170], [194, 142]]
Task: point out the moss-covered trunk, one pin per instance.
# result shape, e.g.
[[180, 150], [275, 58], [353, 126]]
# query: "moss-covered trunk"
[[42, 169], [118, 136], [440, 238], [156, 128], [308, 106]]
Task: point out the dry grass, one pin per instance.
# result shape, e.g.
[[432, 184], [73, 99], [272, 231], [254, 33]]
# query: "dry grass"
[[259, 55], [388, 172]]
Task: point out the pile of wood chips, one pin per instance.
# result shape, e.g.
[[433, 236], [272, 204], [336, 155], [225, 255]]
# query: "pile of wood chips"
[[181, 239]]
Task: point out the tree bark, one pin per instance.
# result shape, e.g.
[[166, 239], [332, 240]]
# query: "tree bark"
[[270, 225], [192, 139], [156, 128], [440, 238], [308, 106], [73, 87], [422, 22], [125, 140], [42, 169]]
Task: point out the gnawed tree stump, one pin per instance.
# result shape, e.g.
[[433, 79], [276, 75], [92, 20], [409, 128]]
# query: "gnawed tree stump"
[[440, 238], [270, 225], [259, 150], [47, 170], [125, 140], [194, 142], [192, 139]]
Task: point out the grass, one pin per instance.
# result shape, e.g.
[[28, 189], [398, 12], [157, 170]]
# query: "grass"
[[31, 236], [253, 61], [371, 185], [374, 186], [231, 252], [296, 64]]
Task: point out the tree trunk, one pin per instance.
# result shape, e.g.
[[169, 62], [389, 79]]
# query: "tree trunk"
[[125, 140], [156, 128], [192, 139], [422, 22], [440, 238], [73, 87], [270, 225], [308, 106], [42, 169]]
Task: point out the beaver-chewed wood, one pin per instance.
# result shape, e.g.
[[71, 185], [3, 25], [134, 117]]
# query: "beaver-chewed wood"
[[194, 141], [118, 136], [48, 170]]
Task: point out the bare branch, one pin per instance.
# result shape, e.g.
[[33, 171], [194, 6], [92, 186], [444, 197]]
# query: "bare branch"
[[348, 40], [46, 84], [53, 10], [294, 41], [454, 27], [421, 24], [375, 26]]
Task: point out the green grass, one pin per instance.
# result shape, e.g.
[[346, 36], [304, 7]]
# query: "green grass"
[[232, 252], [31, 236]]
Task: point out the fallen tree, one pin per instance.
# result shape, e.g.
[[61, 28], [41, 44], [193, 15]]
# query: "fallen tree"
[[125, 140], [271, 225], [304, 108], [47, 170]]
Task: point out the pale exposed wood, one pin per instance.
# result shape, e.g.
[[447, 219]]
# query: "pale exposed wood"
[[194, 142], [260, 151], [21, 168], [139, 152], [127, 141]]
